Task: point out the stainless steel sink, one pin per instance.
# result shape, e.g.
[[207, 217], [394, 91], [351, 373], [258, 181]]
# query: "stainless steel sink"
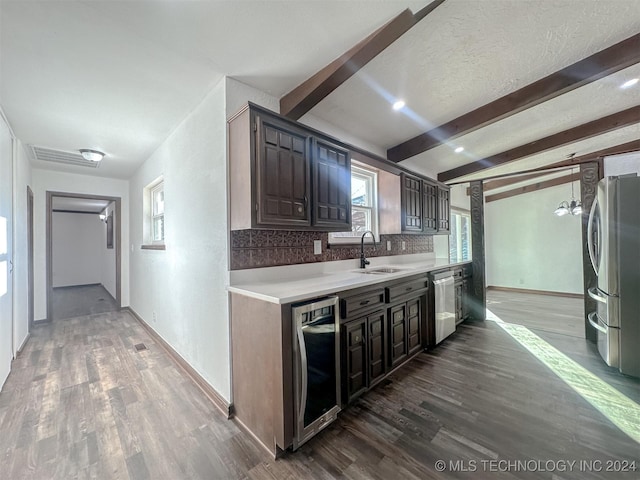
[[380, 271]]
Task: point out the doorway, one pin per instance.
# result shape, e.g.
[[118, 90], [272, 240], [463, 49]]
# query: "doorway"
[[30, 295], [71, 286]]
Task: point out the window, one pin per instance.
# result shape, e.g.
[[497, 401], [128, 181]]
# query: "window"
[[460, 237], [157, 213], [153, 208], [364, 206]]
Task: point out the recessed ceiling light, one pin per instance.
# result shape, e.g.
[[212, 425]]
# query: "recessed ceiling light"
[[398, 105], [91, 155], [459, 149], [629, 83]]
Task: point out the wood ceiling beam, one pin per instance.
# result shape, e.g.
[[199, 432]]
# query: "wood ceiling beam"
[[310, 92], [594, 128], [534, 187], [517, 177], [590, 69], [632, 146]]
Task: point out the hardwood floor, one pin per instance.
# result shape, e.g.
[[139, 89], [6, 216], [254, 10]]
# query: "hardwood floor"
[[83, 402], [549, 313], [82, 300]]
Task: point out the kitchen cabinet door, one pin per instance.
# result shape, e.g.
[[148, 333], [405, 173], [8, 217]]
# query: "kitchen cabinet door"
[[466, 298], [429, 208], [282, 174], [414, 322], [444, 210], [377, 341], [459, 301], [411, 201], [331, 186], [355, 358], [398, 334]]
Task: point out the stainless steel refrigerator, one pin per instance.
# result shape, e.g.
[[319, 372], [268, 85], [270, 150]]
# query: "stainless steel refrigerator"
[[614, 247]]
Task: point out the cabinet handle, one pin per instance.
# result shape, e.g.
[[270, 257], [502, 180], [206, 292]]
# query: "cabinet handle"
[[306, 201], [365, 302], [408, 289]]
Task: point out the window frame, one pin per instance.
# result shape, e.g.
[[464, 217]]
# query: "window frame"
[[149, 214], [158, 187], [370, 175], [456, 217]]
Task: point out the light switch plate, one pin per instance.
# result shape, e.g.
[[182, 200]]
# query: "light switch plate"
[[317, 247], [388, 244]]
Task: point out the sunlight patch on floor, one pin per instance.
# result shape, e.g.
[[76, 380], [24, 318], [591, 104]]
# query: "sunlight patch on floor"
[[620, 409]]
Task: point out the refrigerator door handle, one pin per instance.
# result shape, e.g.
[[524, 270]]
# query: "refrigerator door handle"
[[590, 246], [303, 373], [593, 293], [596, 323]]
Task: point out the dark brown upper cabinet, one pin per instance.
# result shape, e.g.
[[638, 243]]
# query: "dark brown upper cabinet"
[[425, 206], [444, 210], [282, 164], [331, 186], [283, 175], [429, 207], [411, 200]]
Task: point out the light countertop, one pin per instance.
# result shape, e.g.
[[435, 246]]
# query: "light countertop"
[[291, 290]]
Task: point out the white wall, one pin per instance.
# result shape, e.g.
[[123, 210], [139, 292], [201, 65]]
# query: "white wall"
[[529, 247], [76, 249], [22, 178], [622, 164], [108, 255], [181, 291], [48, 180]]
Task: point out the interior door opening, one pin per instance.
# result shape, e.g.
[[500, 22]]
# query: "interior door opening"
[[83, 255]]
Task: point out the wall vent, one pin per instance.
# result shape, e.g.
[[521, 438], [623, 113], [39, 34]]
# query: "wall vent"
[[59, 156]]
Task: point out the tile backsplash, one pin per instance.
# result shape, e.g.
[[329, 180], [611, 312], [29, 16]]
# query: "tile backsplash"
[[270, 248]]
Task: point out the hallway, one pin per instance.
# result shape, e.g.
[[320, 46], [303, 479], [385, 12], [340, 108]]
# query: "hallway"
[[82, 300], [83, 402]]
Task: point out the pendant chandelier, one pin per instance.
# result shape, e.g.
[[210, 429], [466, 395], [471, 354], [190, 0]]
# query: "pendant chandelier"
[[574, 207]]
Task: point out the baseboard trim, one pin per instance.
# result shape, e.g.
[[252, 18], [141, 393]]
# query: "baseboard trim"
[[80, 285], [536, 292], [200, 382], [24, 343]]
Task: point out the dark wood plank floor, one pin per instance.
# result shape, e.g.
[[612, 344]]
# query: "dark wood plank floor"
[[82, 300], [548, 313], [82, 402]]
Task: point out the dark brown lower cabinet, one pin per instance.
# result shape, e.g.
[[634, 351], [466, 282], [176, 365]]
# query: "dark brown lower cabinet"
[[463, 297], [355, 346], [398, 333], [405, 325], [364, 358]]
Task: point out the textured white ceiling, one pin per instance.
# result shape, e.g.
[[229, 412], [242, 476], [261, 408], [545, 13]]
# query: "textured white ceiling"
[[120, 76], [593, 101], [468, 53]]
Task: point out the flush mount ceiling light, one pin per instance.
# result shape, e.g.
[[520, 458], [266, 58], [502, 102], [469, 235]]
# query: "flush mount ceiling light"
[[91, 155], [459, 150], [398, 105], [574, 207], [629, 83]]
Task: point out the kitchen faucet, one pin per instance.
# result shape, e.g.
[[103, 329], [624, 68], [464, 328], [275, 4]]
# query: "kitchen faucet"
[[363, 261]]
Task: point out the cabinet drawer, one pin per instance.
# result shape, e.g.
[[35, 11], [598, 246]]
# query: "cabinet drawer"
[[350, 306], [395, 292]]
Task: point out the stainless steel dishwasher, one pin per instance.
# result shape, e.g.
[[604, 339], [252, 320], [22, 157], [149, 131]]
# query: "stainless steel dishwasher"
[[445, 305]]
